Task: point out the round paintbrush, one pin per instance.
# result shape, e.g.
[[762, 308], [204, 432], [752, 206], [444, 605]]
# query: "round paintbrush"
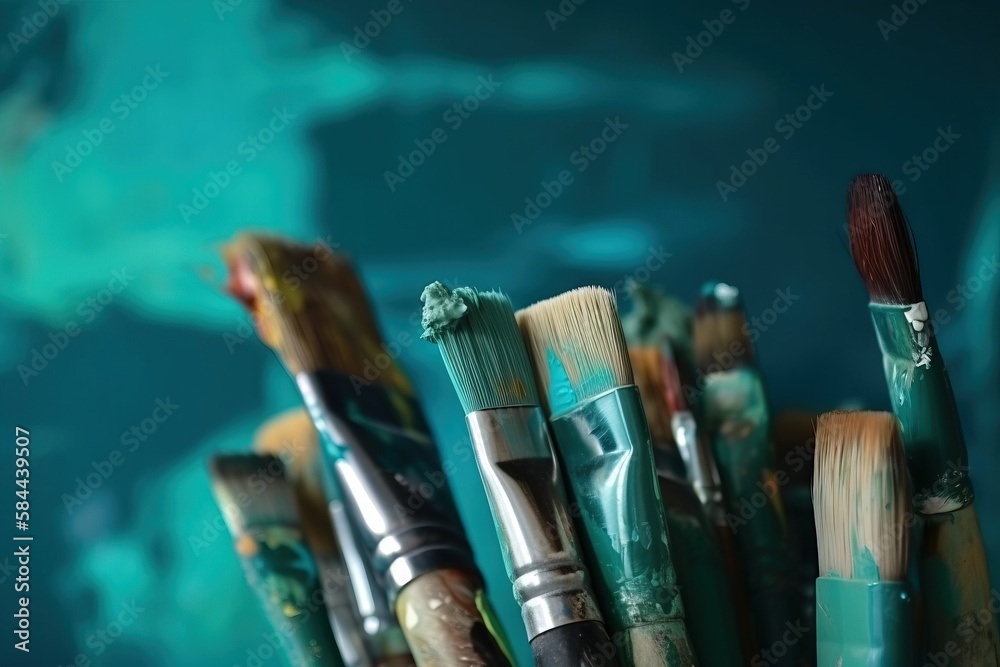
[[954, 577], [861, 494]]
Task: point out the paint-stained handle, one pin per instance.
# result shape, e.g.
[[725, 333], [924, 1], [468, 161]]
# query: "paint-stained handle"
[[442, 616], [960, 608], [575, 645], [731, 557]]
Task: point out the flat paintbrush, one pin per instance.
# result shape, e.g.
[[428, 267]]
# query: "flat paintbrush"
[[737, 421], [259, 508], [376, 444], [861, 495], [954, 578], [489, 367], [366, 630], [707, 558], [582, 368]]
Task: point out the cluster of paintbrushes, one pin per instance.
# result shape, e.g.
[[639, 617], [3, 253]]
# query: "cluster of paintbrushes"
[[633, 481]]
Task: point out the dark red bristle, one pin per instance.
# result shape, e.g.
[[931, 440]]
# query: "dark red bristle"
[[882, 242]]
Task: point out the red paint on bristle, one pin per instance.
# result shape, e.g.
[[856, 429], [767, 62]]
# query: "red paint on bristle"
[[882, 242], [673, 391]]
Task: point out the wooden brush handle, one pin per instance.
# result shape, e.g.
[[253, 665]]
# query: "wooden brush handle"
[[731, 558], [960, 610], [583, 644], [442, 622]]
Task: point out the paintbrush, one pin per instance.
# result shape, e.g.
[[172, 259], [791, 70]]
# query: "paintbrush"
[[954, 579], [489, 367], [376, 444], [738, 424], [365, 629], [581, 366], [861, 496], [259, 508], [706, 556]]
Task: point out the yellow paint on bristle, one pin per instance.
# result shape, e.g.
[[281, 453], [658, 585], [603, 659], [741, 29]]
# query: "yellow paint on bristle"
[[247, 547]]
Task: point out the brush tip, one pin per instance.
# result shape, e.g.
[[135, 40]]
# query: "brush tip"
[[481, 346], [252, 490], [881, 241]]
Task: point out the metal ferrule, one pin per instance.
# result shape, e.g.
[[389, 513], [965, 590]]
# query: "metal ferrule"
[[698, 461], [525, 492], [924, 403], [405, 521], [605, 448], [381, 632]]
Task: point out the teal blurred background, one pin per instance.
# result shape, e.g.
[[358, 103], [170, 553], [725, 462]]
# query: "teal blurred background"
[[119, 120]]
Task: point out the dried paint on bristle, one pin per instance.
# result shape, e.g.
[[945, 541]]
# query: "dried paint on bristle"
[[647, 367], [861, 496], [484, 353], [236, 484], [576, 346], [313, 311], [882, 242], [293, 438], [720, 337]]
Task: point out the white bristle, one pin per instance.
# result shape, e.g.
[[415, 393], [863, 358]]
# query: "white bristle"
[[252, 490], [582, 330], [861, 497]]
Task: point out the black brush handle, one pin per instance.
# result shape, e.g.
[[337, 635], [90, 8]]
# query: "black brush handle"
[[584, 644]]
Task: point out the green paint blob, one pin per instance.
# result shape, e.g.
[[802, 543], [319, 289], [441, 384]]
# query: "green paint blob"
[[442, 309]]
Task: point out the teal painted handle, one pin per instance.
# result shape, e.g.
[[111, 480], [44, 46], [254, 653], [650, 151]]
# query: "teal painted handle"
[[608, 460], [863, 624], [922, 399]]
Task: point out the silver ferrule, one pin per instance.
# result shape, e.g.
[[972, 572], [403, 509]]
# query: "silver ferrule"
[[399, 528], [701, 470], [526, 495]]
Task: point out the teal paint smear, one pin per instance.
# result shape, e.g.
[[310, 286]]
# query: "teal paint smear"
[[442, 309], [562, 398], [863, 561]]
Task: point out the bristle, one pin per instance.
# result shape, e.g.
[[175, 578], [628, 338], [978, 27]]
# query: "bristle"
[[882, 242], [310, 308], [647, 367], [251, 490], [719, 333], [861, 496], [576, 346], [483, 351], [292, 437]]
